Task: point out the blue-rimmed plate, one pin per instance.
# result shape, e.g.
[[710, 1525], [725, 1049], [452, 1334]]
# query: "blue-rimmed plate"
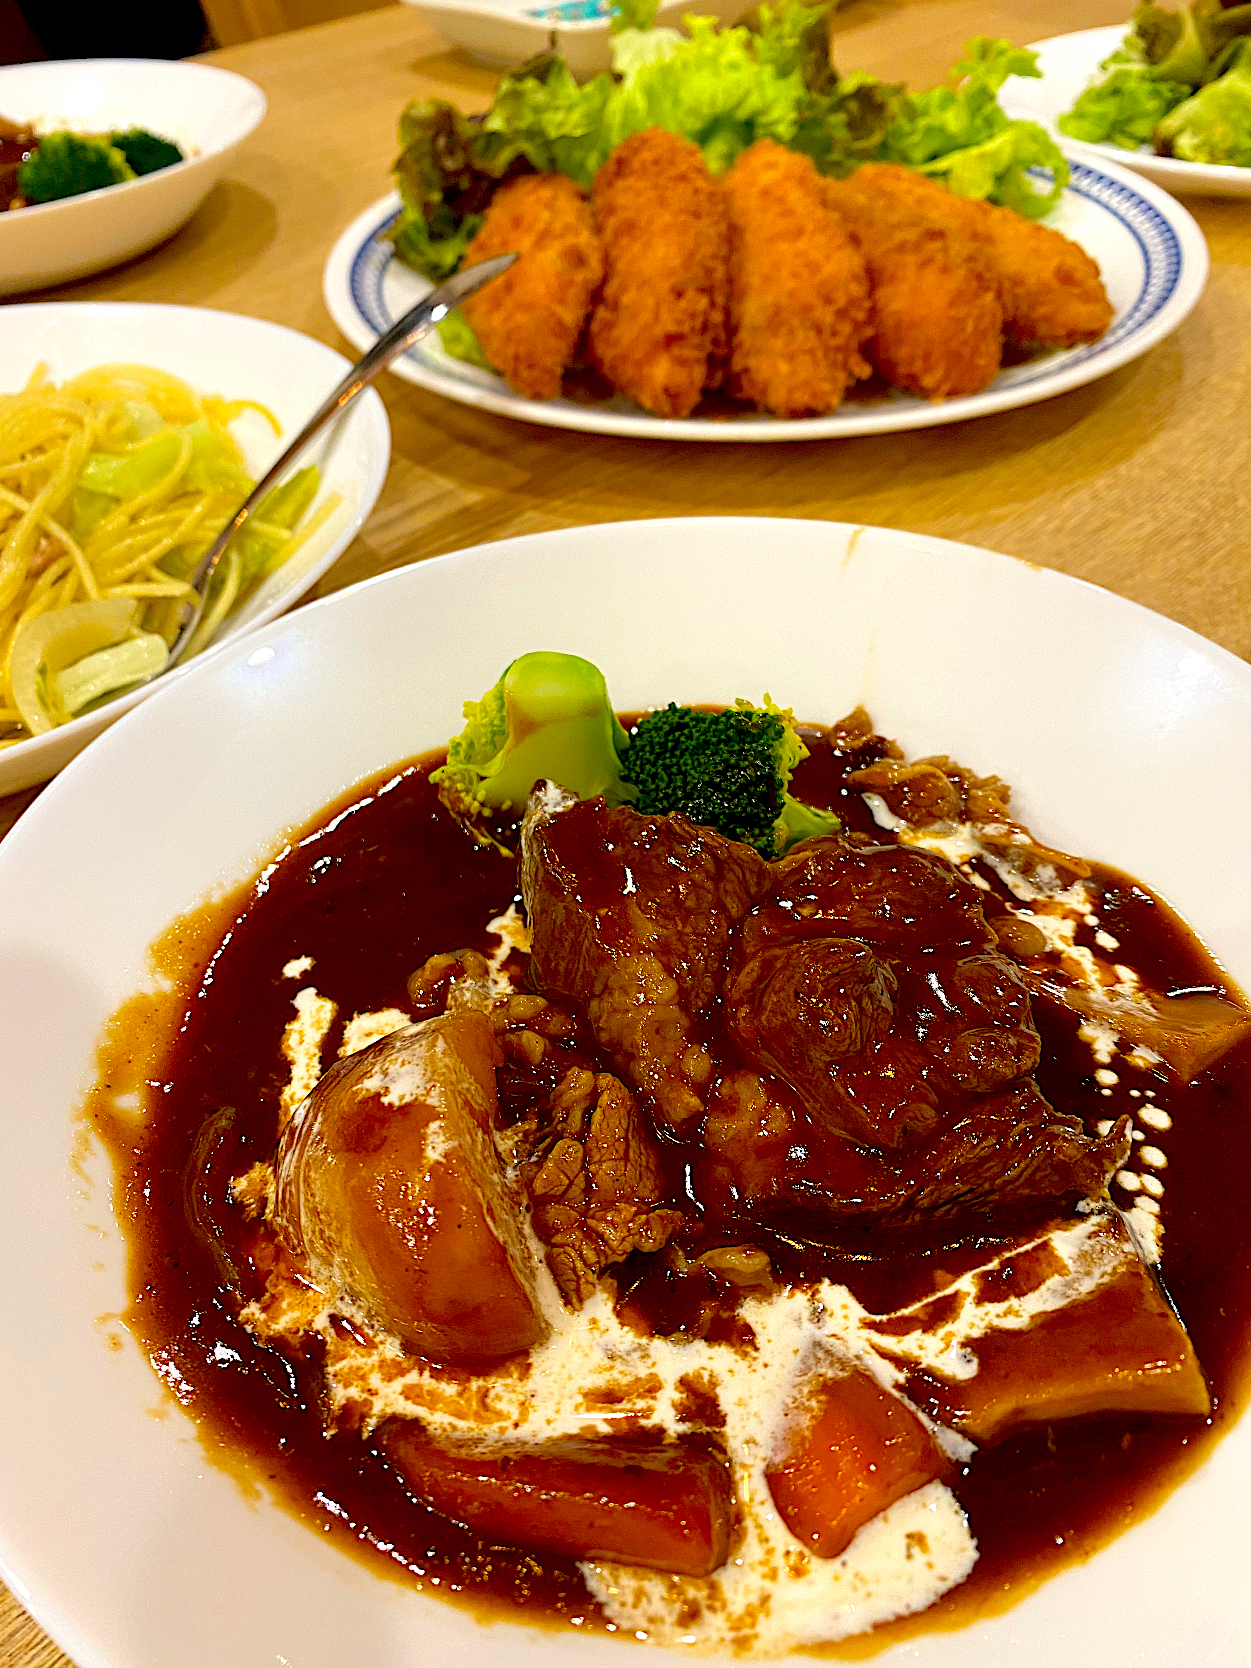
[[1152, 256]]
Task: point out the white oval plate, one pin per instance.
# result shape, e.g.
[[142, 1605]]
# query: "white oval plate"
[[1153, 258], [207, 111], [1124, 734], [218, 353], [1068, 64]]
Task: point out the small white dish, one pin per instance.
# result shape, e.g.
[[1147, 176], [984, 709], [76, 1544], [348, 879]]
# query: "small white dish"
[[207, 112], [1121, 733], [217, 353], [1068, 64], [1153, 258], [506, 32]]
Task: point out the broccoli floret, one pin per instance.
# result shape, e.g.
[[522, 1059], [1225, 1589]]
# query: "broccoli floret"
[[549, 716], [146, 152], [67, 164], [728, 770]]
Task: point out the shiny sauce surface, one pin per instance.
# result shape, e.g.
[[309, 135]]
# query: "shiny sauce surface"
[[384, 879]]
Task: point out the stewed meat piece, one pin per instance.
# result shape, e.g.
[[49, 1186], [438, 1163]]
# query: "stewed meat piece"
[[593, 1176], [631, 917], [868, 979]]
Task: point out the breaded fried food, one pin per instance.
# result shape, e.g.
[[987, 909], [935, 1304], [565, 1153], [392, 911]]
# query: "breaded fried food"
[[799, 295], [1049, 288], [659, 331], [529, 321], [938, 321]]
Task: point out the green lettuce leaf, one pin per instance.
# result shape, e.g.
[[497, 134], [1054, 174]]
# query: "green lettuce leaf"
[[1214, 124], [632, 14], [1122, 109], [961, 135], [459, 340], [541, 118]]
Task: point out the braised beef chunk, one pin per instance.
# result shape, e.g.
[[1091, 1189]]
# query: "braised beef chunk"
[[594, 1180], [1007, 1156], [868, 979], [631, 917], [859, 1043]]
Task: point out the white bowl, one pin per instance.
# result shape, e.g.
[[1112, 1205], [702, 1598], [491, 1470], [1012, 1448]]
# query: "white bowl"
[[208, 112], [1121, 734], [506, 32], [218, 353]]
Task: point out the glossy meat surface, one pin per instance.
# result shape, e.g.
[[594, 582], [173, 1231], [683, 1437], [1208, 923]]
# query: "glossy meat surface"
[[631, 918], [868, 979], [595, 1182]]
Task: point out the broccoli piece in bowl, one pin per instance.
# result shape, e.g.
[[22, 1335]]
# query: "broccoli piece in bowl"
[[549, 716], [67, 164], [147, 153], [728, 770]]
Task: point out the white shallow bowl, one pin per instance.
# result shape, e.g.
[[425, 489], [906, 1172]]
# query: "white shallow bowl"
[[506, 32], [208, 112], [1124, 734], [1068, 64], [217, 353], [1152, 256]]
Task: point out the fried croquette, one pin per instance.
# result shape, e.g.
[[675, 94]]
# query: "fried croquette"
[[799, 296], [1049, 288], [938, 321], [529, 321], [658, 332]]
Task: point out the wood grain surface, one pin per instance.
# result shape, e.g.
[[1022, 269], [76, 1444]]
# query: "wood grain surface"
[[1140, 482]]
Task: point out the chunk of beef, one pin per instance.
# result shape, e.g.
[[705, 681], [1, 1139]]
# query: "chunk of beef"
[[595, 1183], [868, 979], [631, 917], [1002, 1152]]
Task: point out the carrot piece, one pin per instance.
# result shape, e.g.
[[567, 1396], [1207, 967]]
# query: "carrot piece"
[[664, 1505], [855, 1449]]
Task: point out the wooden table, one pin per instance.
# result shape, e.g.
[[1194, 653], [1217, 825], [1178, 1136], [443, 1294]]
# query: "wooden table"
[[1140, 482]]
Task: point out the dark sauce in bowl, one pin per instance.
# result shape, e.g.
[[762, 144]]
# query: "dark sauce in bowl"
[[384, 879]]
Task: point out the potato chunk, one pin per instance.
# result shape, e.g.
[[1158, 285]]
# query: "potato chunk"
[[853, 1449], [666, 1506], [1120, 1350], [390, 1189]]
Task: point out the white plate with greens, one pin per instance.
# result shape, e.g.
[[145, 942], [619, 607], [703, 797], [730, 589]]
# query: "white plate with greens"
[[1068, 64], [1153, 258], [215, 353]]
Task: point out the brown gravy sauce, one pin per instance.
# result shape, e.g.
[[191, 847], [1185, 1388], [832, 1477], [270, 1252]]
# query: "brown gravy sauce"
[[374, 885]]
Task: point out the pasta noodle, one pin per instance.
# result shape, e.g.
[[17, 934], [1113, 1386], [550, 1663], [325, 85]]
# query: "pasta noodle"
[[114, 485]]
